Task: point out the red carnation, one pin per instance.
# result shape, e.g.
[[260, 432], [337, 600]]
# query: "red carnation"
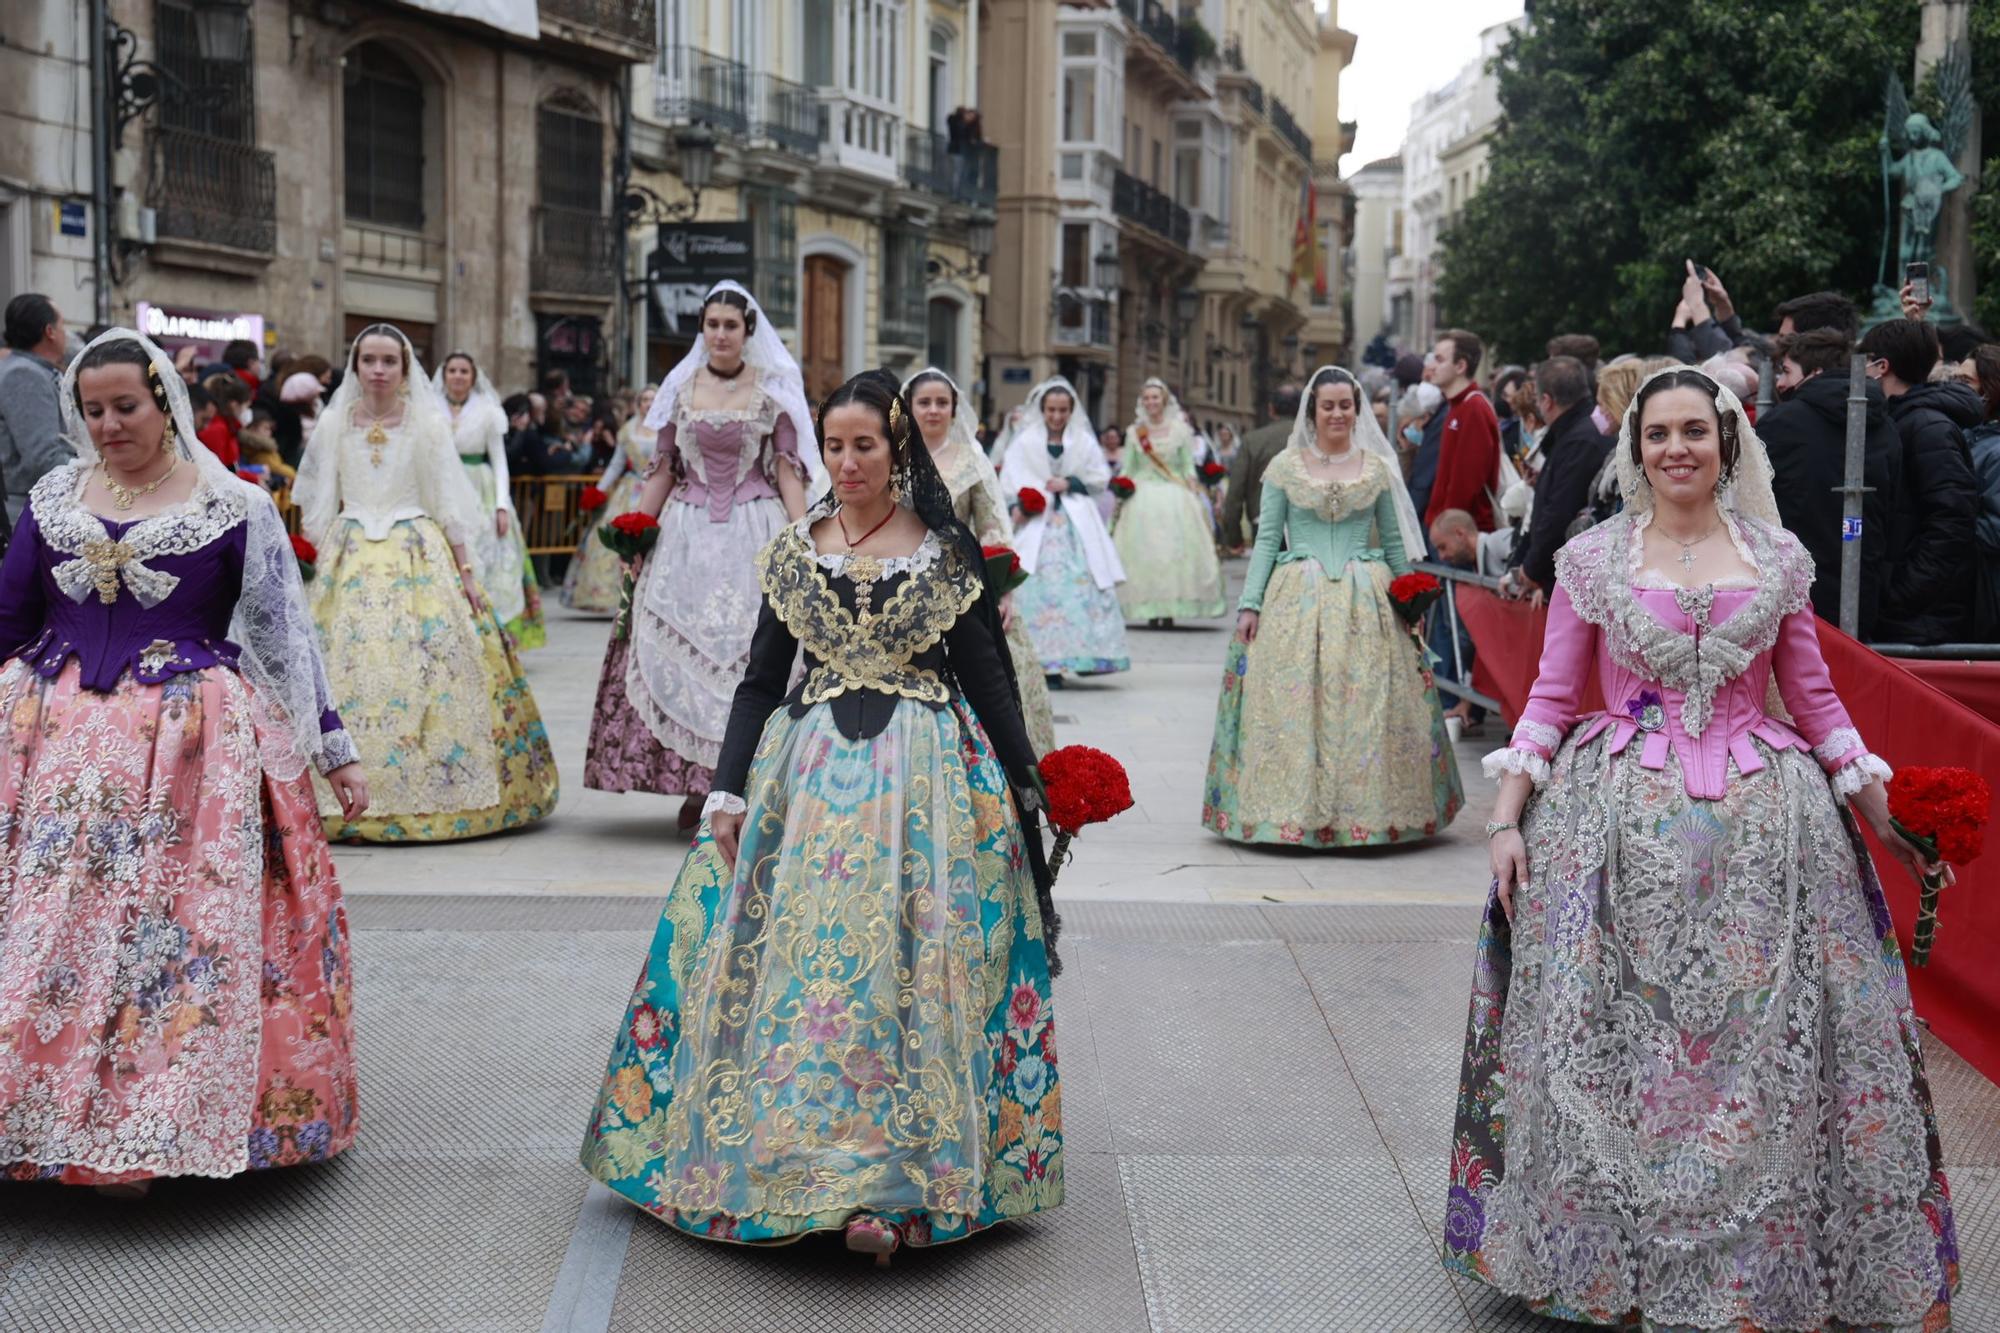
[[304, 549], [635, 525], [590, 498], [1943, 811], [1003, 569], [1122, 487], [1215, 472], [1031, 501], [1085, 786], [1413, 594]]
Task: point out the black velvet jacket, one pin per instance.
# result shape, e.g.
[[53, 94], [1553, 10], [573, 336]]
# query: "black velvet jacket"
[[913, 639]]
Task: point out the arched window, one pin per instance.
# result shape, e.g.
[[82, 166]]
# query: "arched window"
[[383, 121]]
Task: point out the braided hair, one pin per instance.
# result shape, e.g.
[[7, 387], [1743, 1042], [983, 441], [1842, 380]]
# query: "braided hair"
[[914, 474]]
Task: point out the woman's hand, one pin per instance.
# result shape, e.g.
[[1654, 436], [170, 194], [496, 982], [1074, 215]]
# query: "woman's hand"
[[727, 831], [1508, 855], [1912, 307], [500, 523], [470, 585], [350, 788], [1007, 611], [1246, 626], [1872, 802]]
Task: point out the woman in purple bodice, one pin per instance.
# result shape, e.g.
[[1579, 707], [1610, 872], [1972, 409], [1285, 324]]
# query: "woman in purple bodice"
[[174, 980], [735, 456]]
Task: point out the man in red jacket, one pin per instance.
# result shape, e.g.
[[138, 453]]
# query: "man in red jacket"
[[1468, 457]]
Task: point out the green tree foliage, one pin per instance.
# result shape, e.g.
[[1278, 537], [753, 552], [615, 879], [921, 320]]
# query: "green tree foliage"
[[1986, 205], [1737, 133]]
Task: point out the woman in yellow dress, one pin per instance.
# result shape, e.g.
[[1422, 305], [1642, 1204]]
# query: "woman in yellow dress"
[[945, 420], [596, 577], [422, 672]]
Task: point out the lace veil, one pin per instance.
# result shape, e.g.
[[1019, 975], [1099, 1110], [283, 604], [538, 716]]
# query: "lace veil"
[[1368, 435], [444, 488], [280, 645], [483, 391], [1749, 493], [782, 379], [1172, 415]]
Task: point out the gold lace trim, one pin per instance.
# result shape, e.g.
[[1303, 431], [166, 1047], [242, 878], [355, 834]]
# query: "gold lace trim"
[[870, 650], [1331, 500]]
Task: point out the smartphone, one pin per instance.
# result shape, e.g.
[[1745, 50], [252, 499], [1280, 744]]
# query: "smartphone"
[[1918, 275], [1701, 271]]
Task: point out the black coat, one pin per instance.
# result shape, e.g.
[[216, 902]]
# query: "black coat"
[[1929, 597], [1573, 451], [1806, 436]]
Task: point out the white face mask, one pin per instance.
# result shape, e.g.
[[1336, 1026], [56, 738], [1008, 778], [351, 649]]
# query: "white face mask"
[[242, 416]]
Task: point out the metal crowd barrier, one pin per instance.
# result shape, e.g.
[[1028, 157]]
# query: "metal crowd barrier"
[[1450, 576], [552, 521]]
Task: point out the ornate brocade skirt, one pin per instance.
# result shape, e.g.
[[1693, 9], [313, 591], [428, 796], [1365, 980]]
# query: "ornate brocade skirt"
[[1692, 1093], [1074, 624], [1166, 541], [433, 696], [1328, 731], [858, 1018], [175, 991]]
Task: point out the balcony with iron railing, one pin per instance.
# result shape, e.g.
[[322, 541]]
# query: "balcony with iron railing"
[[575, 253], [213, 191], [1134, 199], [624, 26], [861, 134], [390, 250], [969, 176], [1288, 129], [1081, 323], [699, 88], [1154, 20], [783, 113]]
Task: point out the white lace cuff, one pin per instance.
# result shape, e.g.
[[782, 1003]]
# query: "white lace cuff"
[[727, 802], [1857, 773], [1538, 734], [1840, 742], [1512, 760], [336, 750]]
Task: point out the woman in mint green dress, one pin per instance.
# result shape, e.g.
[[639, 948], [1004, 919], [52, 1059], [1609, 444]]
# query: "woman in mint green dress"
[[1164, 535], [845, 1022], [1329, 732]]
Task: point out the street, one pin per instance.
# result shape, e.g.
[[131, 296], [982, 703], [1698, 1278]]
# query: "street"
[[1260, 1051]]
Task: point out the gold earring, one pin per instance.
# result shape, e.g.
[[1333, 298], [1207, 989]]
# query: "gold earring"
[[167, 440]]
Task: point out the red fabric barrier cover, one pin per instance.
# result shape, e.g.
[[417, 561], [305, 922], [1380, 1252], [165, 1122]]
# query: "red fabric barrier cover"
[[1905, 720]]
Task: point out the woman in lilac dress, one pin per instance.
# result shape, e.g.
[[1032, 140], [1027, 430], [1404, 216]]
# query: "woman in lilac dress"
[[175, 992], [1693, 1096], [734, 457]]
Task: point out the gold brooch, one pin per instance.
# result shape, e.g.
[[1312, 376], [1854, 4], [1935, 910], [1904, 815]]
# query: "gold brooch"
[[105, 558]]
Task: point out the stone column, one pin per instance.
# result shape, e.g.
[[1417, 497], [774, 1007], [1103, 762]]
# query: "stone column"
[[1945, 22]]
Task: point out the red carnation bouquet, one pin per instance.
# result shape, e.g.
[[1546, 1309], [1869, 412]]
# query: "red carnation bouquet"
[[308, 555], [1213, 473], [1943, 811], [1084, 786], [590, 499], [1032, 501], [1003, 569], [630, 536], [1413, 594], [1122, 487]]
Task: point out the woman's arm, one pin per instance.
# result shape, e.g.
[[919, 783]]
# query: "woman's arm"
[[791, 472], [23, 609], [772, 650], [613, 471], [662, 475], [976, 661], [1273, 510], [1389, 529]]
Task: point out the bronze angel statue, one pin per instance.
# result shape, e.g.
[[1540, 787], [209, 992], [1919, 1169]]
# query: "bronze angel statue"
[[1922, 157]]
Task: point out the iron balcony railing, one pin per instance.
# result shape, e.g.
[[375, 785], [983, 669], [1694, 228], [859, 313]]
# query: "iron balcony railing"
[[703, 88], [1288, 129], [576, 252], [1133, 198], [207, 189], [1154, 20], [786, 115], [969, 176], [630, 22], [1253, 93]]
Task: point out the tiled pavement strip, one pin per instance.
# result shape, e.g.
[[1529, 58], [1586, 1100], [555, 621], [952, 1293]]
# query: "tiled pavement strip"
[[1259, 1055]]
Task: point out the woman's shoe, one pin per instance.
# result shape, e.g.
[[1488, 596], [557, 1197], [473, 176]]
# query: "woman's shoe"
[[871, 1235]]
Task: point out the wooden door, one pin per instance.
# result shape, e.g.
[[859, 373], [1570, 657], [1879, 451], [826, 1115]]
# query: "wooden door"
[[824, 327]]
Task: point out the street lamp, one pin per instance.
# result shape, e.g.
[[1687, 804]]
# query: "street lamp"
[[1107, 267], [980, 229], [697, 171], [1187, 306], [222, 30]]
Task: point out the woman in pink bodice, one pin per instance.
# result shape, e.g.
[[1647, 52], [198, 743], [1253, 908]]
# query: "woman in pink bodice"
[[1692, 1093], [735, 457]]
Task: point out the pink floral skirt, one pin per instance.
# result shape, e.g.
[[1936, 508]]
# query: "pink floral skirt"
[[175, 991]]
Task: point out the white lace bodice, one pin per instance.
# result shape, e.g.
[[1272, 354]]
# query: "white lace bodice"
[[415, 473]]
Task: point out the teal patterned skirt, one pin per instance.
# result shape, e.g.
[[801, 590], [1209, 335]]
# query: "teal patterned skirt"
[[856, 1020]]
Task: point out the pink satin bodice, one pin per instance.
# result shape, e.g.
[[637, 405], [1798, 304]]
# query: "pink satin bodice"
[[726, 466]]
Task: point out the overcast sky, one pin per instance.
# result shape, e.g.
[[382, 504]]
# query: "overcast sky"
[[1405, 49]]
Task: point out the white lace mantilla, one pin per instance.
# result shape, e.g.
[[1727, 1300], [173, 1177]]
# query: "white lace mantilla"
[[1593, 568]]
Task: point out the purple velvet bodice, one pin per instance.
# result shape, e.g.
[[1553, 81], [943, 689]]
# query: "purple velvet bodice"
[[186, 631]]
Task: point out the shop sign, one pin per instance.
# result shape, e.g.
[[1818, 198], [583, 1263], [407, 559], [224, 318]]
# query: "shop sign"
[[690, 259], [177, 326]]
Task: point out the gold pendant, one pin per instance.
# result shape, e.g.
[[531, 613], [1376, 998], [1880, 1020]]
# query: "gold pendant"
[[377, 436], [105, 558], [122, 498]]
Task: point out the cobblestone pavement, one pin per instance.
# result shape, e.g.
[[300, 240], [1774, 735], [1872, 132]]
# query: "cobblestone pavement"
[[1260, 1053]]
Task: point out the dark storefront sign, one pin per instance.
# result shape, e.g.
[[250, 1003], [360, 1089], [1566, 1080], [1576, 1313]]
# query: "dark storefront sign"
[[175, 327], [691, 258]]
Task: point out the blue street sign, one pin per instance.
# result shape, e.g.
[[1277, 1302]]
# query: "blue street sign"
[[71, 218], [1850, 529]]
